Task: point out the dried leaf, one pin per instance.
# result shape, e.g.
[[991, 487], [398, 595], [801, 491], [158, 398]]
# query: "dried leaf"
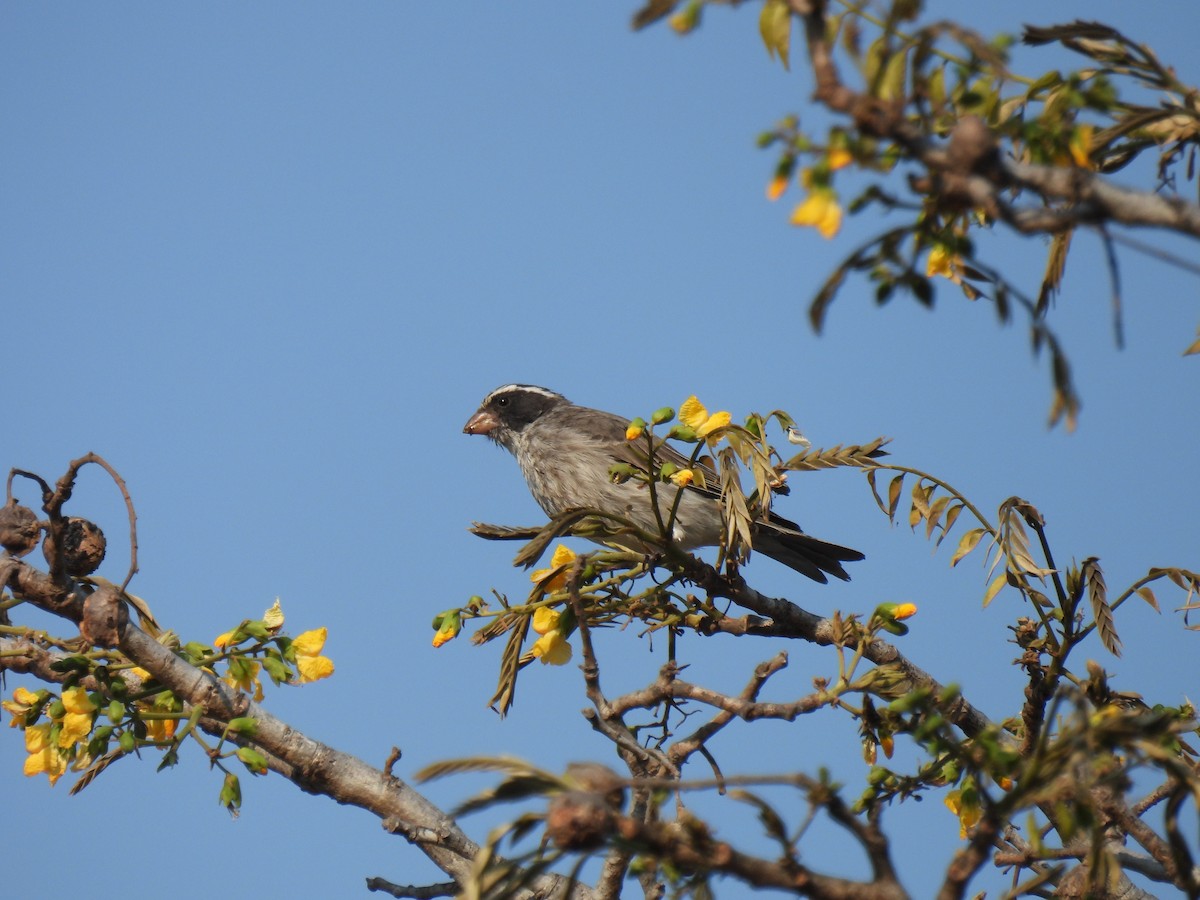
[[952, 515], [1101, 611], [861, 455], [1056, 265], [510, 667], [555, 528], [894, 495], [892, 85], [652, 12], [969, 542], [994, 588], [936, 511], [1148, 595], [875, 490]]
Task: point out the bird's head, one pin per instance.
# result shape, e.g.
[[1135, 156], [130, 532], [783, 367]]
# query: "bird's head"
[[509, 410]]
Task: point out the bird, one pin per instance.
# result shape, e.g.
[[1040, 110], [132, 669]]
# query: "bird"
[[566, 451]]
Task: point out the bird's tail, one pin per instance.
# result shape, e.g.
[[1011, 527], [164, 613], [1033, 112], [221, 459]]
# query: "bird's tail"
[[808, 555]]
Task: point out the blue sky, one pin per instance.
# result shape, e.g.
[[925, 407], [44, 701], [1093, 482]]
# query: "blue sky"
[[267, 258]]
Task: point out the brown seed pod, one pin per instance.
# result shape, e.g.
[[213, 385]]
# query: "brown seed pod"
[[18, 528], [579, 820], [83, 547], [104, 617]]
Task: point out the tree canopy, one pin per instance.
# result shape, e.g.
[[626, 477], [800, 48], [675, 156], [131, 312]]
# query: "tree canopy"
[[1012, 741]]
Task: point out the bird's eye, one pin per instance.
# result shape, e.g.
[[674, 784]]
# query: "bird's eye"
[[502, 401]]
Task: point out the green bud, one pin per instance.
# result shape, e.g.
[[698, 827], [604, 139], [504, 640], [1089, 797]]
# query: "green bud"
[[102, 733], [949, 693], [253, 760], [878, 775], [910, 701], [196, 651], [117, 687], [667, 470], [75, 663], [243, 725], [893, 627], [276, 669], [684, 433], [257, 630], [127, 742], [666, 414], [619, 473], [231, 794], [56, 710], [116, 711]]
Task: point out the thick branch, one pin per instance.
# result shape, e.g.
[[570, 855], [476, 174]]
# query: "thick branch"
[[313, 766]]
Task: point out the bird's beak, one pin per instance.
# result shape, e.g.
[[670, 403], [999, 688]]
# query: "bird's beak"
[[483, 422]]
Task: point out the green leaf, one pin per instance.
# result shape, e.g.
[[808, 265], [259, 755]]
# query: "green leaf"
[[775, 26]]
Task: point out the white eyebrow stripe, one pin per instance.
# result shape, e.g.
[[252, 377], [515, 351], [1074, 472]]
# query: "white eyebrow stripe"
[[522, 388]]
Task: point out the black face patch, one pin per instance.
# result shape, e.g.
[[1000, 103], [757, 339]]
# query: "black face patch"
[[518, 405]]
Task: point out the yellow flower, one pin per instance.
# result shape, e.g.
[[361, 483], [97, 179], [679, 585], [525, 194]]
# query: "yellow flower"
[[273, 617], [546, 619], [821, 211], [964, 803], [904, 611], [552, 646], [554, 578], [838, 158], [694, 414], [78, 719], [448, 627], [221, 641], [944, 263], [43, 755], [1080, 146], [162, 729], [243, 676], [19, 706], [776, 187], [683, 477], [309, 661], [635, 429]]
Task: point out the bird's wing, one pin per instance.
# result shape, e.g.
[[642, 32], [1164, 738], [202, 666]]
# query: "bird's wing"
[[609, 430]]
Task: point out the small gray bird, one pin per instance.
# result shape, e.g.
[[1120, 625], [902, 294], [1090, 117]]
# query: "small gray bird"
[[565, 453]]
